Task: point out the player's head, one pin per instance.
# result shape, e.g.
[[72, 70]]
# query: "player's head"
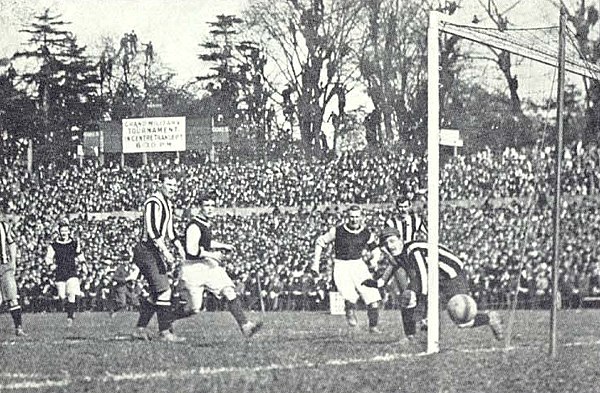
[[391, 239], [64, 231], [208, 202], [404, 203], [168, 183], [354, 217]]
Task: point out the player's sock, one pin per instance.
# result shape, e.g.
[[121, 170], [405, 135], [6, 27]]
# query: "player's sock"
[[181, 310], [70, 309], [15, 313], [408, 321], [164, 316], [481, 319], [349, 305], [235, 308], [373, 316], [146, 313]]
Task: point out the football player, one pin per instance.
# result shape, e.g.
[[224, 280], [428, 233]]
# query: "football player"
[[454, 288], [352, 242], [202, 269], [65, 252]]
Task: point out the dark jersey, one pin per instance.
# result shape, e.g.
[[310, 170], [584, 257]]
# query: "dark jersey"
[[348, 244], [198, 236], [65, 258], [415, 262]]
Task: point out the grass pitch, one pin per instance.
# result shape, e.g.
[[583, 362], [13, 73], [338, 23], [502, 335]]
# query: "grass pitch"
[[295, 352]]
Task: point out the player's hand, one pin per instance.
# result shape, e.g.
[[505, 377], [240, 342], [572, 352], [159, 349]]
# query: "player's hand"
[[169, 259], [370, 283], [408, 299], [229, 247], [314, 273]]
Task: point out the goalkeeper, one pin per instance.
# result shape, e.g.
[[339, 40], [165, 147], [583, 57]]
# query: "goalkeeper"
[[454, 288]]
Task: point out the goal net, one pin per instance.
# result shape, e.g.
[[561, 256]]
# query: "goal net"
[[537, 51]]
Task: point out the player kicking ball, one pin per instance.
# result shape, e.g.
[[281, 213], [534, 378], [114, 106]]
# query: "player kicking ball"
[[202, 270], [454, 288]]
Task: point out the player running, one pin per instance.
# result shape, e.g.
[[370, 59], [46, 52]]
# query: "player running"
[[352, 241], [454, 288], [66, 254], [202, 269]]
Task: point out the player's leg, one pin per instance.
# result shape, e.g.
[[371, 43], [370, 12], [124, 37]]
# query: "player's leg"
[[371, 296], [118, 298], [160, 290], [463, 310], [408, 325], [72, 290], [342, 277], [61, 292], [220, 284], [9, 292], [191, 290]]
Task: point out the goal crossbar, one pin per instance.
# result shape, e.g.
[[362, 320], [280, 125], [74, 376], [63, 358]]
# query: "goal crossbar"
[[538, 46], [519, 41]]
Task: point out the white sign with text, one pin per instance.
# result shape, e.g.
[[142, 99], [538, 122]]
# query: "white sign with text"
[[153, 134]]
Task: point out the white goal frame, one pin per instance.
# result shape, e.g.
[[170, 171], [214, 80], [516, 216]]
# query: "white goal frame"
[[439, 22]]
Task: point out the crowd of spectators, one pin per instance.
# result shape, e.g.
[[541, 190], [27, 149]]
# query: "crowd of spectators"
[[275, 248], [298, 179]]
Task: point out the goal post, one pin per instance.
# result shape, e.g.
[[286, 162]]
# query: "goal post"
[[519, 42]]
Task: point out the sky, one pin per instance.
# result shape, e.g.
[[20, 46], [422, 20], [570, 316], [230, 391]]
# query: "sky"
[[175, 27]]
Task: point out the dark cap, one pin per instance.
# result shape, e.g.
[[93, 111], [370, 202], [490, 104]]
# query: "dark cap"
[[389, 232]]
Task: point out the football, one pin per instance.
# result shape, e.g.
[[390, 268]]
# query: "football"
[[462, 309]]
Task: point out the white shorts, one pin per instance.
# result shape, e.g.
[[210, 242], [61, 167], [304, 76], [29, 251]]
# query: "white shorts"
[[196, 277], [348, 276], [69, 288]]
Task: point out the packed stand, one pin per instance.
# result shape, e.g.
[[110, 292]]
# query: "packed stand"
[[298, 180]]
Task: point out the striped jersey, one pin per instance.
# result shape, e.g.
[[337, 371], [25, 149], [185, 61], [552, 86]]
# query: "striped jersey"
[[6, 239], [415, 261], [410, 225], [348, 244], [158, 218]]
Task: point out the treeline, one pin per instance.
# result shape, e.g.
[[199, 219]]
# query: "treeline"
[[285, 66]]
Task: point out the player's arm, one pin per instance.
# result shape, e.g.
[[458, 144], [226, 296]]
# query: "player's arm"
[[134, 272], [193, 235], [215, 245], [152, 212], [49, 259], [320, 244], [372, 254], [176, 241], [12, 248]]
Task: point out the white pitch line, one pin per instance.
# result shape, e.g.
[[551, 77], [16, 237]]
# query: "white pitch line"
[[210, 371], [35, 384]]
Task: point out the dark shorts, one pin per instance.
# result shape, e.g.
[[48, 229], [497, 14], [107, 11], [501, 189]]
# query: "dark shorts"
[[152, 267], [119, 294]]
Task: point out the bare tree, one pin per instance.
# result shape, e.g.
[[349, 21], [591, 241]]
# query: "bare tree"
[[311, 43]]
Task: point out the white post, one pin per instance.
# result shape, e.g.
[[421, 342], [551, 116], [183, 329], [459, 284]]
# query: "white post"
[[433, 157]]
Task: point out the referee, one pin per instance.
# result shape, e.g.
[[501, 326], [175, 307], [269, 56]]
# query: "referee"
[[8, 284], [154, 259]]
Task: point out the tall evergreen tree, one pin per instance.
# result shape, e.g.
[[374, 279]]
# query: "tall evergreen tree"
[[63, 84]]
